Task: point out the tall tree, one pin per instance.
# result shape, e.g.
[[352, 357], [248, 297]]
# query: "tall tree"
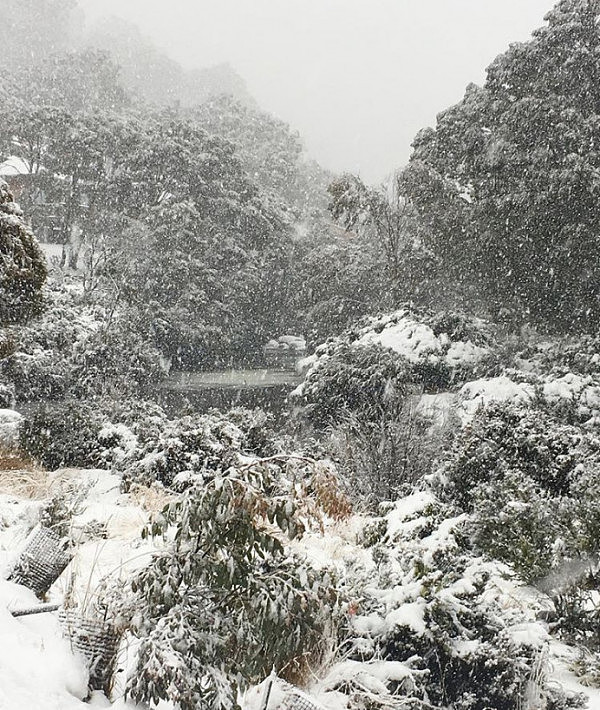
[[509, 180]]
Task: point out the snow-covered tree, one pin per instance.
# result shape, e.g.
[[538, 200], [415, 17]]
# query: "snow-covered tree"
[[508, 181], [22, 264]]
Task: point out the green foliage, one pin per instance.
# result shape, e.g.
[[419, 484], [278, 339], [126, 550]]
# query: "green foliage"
[[64, 434], [226, 600], [362, 380]]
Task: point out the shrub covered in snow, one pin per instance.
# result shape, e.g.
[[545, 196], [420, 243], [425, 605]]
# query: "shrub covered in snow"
[[194, 447], [529, 481], [420, 347], [64, 434], [117, 361], [429, 604], [364, 380], [226, 599], [22, 264], [71, 350]]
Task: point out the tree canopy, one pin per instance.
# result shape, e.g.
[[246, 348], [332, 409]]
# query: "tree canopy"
[[508, 182]]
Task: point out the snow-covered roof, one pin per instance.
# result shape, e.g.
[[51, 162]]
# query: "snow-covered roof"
[[14, 166]]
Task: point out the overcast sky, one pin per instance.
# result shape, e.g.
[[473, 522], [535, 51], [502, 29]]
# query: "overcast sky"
[[357, 78]]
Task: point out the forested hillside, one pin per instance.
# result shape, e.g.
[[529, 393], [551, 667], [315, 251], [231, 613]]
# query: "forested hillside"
[[415, 521]]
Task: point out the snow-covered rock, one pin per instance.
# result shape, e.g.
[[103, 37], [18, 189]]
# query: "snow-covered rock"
[[9, 427]]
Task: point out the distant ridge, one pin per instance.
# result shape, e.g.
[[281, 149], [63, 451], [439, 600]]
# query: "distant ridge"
[[150, 74]]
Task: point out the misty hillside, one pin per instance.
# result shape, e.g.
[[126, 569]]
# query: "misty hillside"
[[149, 74], [276, 438]]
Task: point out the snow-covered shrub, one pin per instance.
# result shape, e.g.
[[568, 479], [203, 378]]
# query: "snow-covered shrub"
[[363, 380], [41, 366], [517, 522], [226, 600], [430, 603], [530, 482], [115, 361], [74, 349], [260, 438], [64, 434], [186, 450], [22, 263], [507, 436], [37, 375], [9, 428], [363, 395], [364, 387]]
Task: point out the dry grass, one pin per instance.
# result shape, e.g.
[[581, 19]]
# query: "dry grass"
[[32, 483], [152, 498], [13, 460]]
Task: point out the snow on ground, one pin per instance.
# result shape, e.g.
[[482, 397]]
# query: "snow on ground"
[[37, 666], [39, 670], [561, 658]]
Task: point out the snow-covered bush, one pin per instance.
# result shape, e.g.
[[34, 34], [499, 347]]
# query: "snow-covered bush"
[[187, 449], [367, 381], [74, 350], [180, 451], [64, 434], [41, 365], [226, 599], [428, 602], [115, 361], [431, 351], [506, 436], [22, 264], [530, 482]]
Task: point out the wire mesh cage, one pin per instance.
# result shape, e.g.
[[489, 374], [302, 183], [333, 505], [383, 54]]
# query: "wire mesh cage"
[[295, 699], [97, 641], [280, 695], [41, 562]]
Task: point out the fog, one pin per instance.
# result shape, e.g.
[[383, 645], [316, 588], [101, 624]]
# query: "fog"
[[357, 78]]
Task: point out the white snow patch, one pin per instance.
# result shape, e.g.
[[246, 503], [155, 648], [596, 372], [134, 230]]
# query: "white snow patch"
[[9, 427], [414, 341], [480, 393], [411, 615]]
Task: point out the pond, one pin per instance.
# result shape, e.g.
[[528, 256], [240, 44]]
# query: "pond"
[[200, 391]]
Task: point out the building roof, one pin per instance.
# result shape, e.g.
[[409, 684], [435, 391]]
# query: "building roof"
[[13, 167]]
